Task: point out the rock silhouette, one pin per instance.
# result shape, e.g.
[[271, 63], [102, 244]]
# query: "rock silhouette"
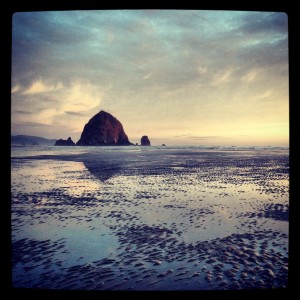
[[103, 129], [62, 142], [145, 141]]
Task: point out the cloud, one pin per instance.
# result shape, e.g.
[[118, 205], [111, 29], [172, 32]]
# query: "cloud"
[[207, 137], [56, 105], [222, 77], [15, 89], [80, 96], [147, 76], [251, 75], [258, 23], [265, 95], [204, 137], [100, 44], [39, 87], [73, 113], [170, 70], [201, 70], [22, 112], [181, 135], [33, 124]]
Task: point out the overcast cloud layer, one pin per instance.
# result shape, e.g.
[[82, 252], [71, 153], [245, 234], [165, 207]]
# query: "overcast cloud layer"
[[180, 77]]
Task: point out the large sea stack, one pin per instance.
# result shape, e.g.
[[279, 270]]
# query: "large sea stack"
[[103, 129]]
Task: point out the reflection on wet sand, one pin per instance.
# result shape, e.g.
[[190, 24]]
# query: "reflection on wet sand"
[[172, 220]]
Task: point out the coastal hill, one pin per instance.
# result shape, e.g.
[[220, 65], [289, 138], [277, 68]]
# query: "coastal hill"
[[103, 129], [28, 140]]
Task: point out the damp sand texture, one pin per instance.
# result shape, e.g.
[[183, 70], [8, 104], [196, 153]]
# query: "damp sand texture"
[[128, 218]]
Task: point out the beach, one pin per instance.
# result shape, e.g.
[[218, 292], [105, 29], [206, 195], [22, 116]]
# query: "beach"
[[150, 218]]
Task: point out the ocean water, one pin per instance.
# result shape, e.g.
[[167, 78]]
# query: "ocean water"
[[150, 218]]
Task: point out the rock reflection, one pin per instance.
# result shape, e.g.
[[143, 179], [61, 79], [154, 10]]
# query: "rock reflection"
[[103, 170]]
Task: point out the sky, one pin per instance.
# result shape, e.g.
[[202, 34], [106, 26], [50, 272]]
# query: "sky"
[[181, 77]]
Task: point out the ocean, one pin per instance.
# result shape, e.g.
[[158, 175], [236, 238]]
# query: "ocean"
[[150, 218]]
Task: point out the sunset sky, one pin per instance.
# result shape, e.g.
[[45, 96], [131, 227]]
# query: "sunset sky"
[[180, 77]]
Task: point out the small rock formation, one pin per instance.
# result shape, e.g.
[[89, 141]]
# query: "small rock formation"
[[164, 145], [103, 129], [145, 141], [62, 142]]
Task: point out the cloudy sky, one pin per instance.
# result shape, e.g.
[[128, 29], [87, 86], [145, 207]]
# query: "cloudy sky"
[[180, 77]]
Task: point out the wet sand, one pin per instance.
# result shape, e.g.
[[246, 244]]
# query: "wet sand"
[[157, 219]]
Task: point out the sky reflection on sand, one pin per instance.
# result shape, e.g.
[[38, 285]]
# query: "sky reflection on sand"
[[145, 207]]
